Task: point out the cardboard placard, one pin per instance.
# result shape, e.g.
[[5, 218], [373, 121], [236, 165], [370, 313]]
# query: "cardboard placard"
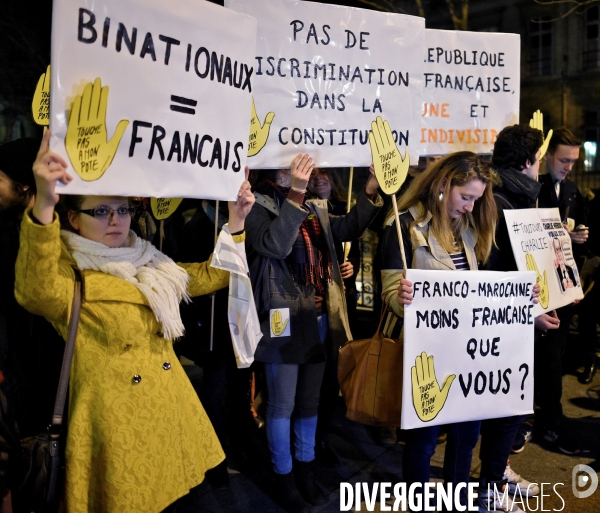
[[471, 90], [326, 72], [468, 347], [540, 243], [151, 98]]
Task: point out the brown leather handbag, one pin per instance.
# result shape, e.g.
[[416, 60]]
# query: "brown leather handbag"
[[370, 377]]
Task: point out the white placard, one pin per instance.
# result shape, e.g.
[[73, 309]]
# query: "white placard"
[[473, 331], [327, 72], [471, 90], [538, 236], [179, 77]]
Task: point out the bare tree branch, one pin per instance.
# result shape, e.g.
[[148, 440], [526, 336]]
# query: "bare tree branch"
[[460, 22], [384, 5], [578, 4]]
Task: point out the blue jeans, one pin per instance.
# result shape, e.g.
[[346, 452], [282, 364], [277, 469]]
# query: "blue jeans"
[[293, 390], [420, 447], [497, 438]]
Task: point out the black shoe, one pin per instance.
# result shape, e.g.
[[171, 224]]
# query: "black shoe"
[[563, 443], [288, 496], [326, 455], [524, 435], [588, 374], [305, 480], [218, 477]]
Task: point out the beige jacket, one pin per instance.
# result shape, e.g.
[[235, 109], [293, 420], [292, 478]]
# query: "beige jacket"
[[427, 253]]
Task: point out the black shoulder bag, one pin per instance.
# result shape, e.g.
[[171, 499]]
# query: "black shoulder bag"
[[42, 455]]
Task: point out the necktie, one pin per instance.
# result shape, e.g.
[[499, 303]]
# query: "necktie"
[[557, 187]]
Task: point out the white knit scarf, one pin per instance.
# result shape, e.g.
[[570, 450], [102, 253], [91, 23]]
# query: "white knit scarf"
[[160, 279]]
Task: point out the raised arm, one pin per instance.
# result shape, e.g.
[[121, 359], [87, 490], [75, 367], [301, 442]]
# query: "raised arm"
[[43, 285], [274, 238]]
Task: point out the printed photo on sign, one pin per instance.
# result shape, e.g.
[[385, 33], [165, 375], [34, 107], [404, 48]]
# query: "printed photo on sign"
[[152, 99], [323, 73], [468, 347], [541, 244], [471, 90], [280, 322]]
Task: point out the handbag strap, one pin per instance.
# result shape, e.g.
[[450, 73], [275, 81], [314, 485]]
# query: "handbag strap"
[[63, 384]]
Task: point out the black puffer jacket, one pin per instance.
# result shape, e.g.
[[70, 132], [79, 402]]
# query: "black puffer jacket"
[[516, 191]]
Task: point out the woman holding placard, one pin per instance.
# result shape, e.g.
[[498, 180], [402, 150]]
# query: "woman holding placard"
[[448, 217], [138, 437], [297, 279]]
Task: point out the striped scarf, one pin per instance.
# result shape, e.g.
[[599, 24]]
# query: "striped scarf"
[[309, 260]]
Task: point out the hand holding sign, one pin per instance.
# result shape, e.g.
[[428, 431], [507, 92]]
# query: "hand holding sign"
[[428, 397], [390, 168], [40, 106], [258, 134], [537, 121], [277, 326], [86, 141], [544, 297]]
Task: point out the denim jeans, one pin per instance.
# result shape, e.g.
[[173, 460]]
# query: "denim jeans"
[[420, 447], [293, 400], [497, 438]]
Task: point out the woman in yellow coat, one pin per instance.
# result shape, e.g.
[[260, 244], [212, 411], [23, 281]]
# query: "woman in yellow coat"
[[138, 437]]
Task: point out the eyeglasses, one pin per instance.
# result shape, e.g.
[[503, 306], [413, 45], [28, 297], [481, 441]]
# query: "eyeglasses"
[[104, 212]]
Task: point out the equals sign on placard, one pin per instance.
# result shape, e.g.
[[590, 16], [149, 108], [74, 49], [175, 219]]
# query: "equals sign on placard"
[[183, 101]]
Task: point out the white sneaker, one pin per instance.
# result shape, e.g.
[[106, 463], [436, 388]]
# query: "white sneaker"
[[526, 489], [497, 500]]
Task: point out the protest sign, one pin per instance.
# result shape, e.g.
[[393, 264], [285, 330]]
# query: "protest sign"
[[325, 72], [541, 244], [472, 331], [151, 98], [40, 105], [471, 90]]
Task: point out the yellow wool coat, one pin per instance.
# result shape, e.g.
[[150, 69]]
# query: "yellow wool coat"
[[138, 437]]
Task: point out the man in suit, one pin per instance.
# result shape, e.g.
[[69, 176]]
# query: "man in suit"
[[566, 275], [558, 191]]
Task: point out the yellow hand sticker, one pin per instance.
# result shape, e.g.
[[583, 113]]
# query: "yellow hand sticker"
[[86, 141], [544, 298], [537, 121], [164, 207], [428, 397], [258, 134], [390, 168], [277, 326], [40, 105]]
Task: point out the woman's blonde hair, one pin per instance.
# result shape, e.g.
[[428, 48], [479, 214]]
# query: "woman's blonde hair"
[[453, 170]]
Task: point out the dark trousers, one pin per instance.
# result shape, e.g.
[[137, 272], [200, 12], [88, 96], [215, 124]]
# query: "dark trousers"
[[497, 438], [330, 389], [420, 447], [589, 317], [548, 372]]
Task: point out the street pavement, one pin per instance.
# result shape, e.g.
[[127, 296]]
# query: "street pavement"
[[364, 458]]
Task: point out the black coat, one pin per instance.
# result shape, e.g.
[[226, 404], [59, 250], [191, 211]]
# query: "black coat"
[[30, 348], [517, 191], [570, 203]]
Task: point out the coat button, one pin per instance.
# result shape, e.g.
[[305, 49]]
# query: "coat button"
[[166, 366], [136, 379], [159, 333], [127, 347]]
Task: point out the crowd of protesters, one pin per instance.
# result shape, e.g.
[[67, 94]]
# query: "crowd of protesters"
[[143, 435]]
